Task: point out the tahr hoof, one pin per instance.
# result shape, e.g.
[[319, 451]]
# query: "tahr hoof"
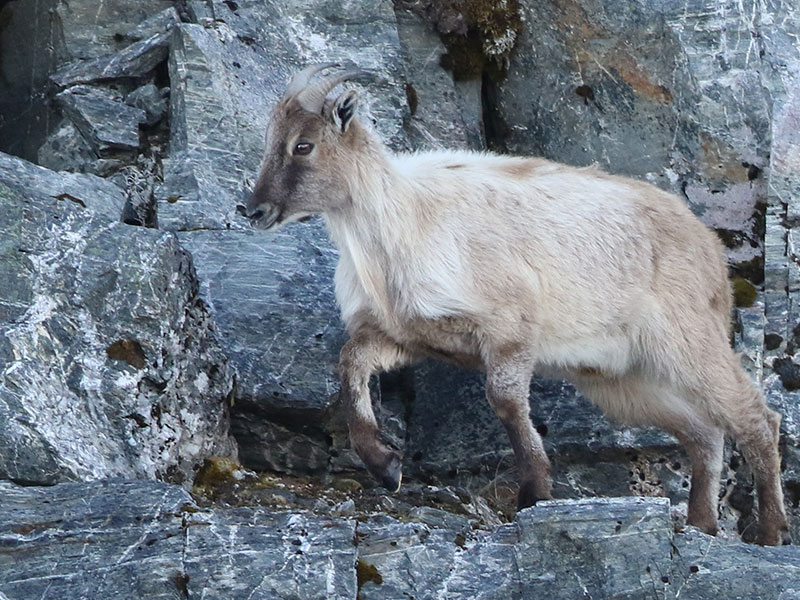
[[530, 494], [780, 537], [392, 474], [389, 471]]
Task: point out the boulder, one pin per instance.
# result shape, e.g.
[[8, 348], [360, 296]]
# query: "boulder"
[[272, 300], [111, 366], [134, 539], [91, 30], [704, 567], [96, 194], [65, 149], [105, 121], [260, 554], [150, 99], [134, 61]]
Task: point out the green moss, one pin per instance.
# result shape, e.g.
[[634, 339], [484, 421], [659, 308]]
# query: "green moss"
[[215, 474], [499, 23], [744, 292], [366, 572], [347, 485]]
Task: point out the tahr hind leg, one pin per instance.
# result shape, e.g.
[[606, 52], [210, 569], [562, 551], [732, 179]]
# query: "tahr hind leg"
[[507, 389]]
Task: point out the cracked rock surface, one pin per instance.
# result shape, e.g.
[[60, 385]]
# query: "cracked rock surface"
[[110, 364], [148, 337], [137, 539]]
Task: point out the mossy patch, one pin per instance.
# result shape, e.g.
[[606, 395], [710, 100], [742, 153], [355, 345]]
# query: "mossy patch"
[[498, 21], [216, 474], [492, 29], [366, 572], [346, 485], [744, 292]]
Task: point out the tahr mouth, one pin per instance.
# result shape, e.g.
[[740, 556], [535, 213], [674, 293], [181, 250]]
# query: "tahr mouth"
[[270, 220], [273, 218], [261, 219]]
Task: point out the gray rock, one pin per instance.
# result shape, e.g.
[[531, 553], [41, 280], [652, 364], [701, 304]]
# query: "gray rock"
[[268, 446], [252, 553], [650, 90], [706, 568], [90, 30], [596, 548], [160, 22], [102, 540], [272, 299], [39, 36], [136, 60], [32, 48], [401, 560], [111, 365], [88, 191], [440, 519], [398, 559], [226, 76], [106, 122], [151, 100], [65, 149], [197, 11], [436, 119], [134, 539]]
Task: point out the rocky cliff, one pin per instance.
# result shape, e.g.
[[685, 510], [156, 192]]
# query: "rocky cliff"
[[168, 399]]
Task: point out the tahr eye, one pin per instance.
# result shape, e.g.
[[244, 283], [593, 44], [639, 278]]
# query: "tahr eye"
[[303, 148]]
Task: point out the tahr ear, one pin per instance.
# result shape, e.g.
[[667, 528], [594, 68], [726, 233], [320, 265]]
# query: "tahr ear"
[[344, 109]]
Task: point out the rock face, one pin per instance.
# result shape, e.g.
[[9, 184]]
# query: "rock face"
[[104, 540], [127, 539], [123, 348], [673, 95], [272, 300], [110, 363]]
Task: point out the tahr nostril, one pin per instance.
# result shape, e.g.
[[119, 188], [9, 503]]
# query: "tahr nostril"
[[256, 215]]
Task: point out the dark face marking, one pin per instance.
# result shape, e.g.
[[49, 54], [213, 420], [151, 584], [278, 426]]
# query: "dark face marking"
[[293, 174]]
